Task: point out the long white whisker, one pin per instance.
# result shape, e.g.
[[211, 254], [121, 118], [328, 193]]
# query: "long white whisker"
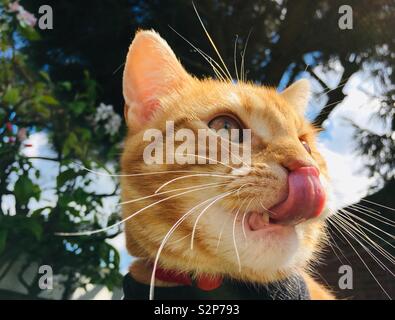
[[212, 43], [138, 174], [373, 215], [369, 224], [200, 215], [220, 73], [190, 176], [207, 158], [242, 71], [353, 236], [170, 191], [364, 237], [235, 59], [354, 223], [243, 219], [234, 237], [359, 256], [220, 234], [88, 233], [378, 204], [167, 236]]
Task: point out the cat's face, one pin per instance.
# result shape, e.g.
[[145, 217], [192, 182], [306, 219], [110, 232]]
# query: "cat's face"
[[259, 220]]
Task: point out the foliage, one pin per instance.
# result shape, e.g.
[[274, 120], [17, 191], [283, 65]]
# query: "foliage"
[[31, 102]]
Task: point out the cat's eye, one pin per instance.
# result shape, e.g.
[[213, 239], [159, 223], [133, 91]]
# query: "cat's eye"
[[306, 146], [227, 126]]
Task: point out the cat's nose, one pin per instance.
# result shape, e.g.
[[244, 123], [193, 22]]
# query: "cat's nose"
[[295, 164]]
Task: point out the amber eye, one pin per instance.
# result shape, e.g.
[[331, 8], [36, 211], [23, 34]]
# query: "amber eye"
[[306, 146], [228, 127]]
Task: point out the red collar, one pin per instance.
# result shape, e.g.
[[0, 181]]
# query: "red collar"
[[203, 281]]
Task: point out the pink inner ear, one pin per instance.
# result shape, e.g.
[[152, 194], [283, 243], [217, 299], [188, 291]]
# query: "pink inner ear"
[[151, 71], [149, 108]]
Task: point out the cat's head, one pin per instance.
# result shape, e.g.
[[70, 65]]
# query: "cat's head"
[[257, 221]]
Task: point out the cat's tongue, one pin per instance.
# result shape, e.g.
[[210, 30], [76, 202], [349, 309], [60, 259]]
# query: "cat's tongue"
[[306, 197]]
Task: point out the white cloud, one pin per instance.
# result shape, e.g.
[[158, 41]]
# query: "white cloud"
[[338, 145]]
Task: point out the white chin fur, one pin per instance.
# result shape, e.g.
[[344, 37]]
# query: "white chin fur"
[[277, 251]]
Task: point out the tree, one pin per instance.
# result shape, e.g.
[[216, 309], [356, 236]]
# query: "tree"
[[30, 102]]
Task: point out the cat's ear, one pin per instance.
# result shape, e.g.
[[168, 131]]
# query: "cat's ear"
[[298, 95], [151, 71]]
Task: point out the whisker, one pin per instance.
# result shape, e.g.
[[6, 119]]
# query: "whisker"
[[212, 43], [170, 191], [178, 240], [140, 174], [220, 234], [353, 236], [355, 223], [269, 211], [205, 157], [242, 71], [369, 224], [190, 176], [378, 204], [234, 236], [199, 216], [359, 256], [235, 59], [167, 236], [340, 84], [335, 246], [373, 215], [88, 233], [367, 239], [220, 73], [244, 216]]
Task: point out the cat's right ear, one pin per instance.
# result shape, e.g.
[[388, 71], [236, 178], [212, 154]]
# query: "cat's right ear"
[[151, 71]]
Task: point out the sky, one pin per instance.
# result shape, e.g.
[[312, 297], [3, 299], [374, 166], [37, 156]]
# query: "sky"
[[337, 144]]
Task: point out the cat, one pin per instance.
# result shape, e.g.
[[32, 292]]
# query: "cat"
[[267, 222]]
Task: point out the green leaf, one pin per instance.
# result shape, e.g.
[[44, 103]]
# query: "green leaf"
[[77, 107], [65, 176], [34, 227], [3, 239], [11, 96], [66, 85], [49, 100], [45, 75], [29, 33], [25, 189], [71, 143]]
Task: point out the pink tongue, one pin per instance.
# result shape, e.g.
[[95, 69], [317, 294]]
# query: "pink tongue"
[[306, 197]]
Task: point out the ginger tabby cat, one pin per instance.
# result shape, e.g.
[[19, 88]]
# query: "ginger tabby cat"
[[265, 220]]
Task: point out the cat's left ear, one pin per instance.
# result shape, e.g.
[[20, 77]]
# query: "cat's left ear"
[[151, 72], [298, 95]]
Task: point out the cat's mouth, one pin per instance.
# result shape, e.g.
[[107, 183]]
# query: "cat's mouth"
[[305, 200]]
